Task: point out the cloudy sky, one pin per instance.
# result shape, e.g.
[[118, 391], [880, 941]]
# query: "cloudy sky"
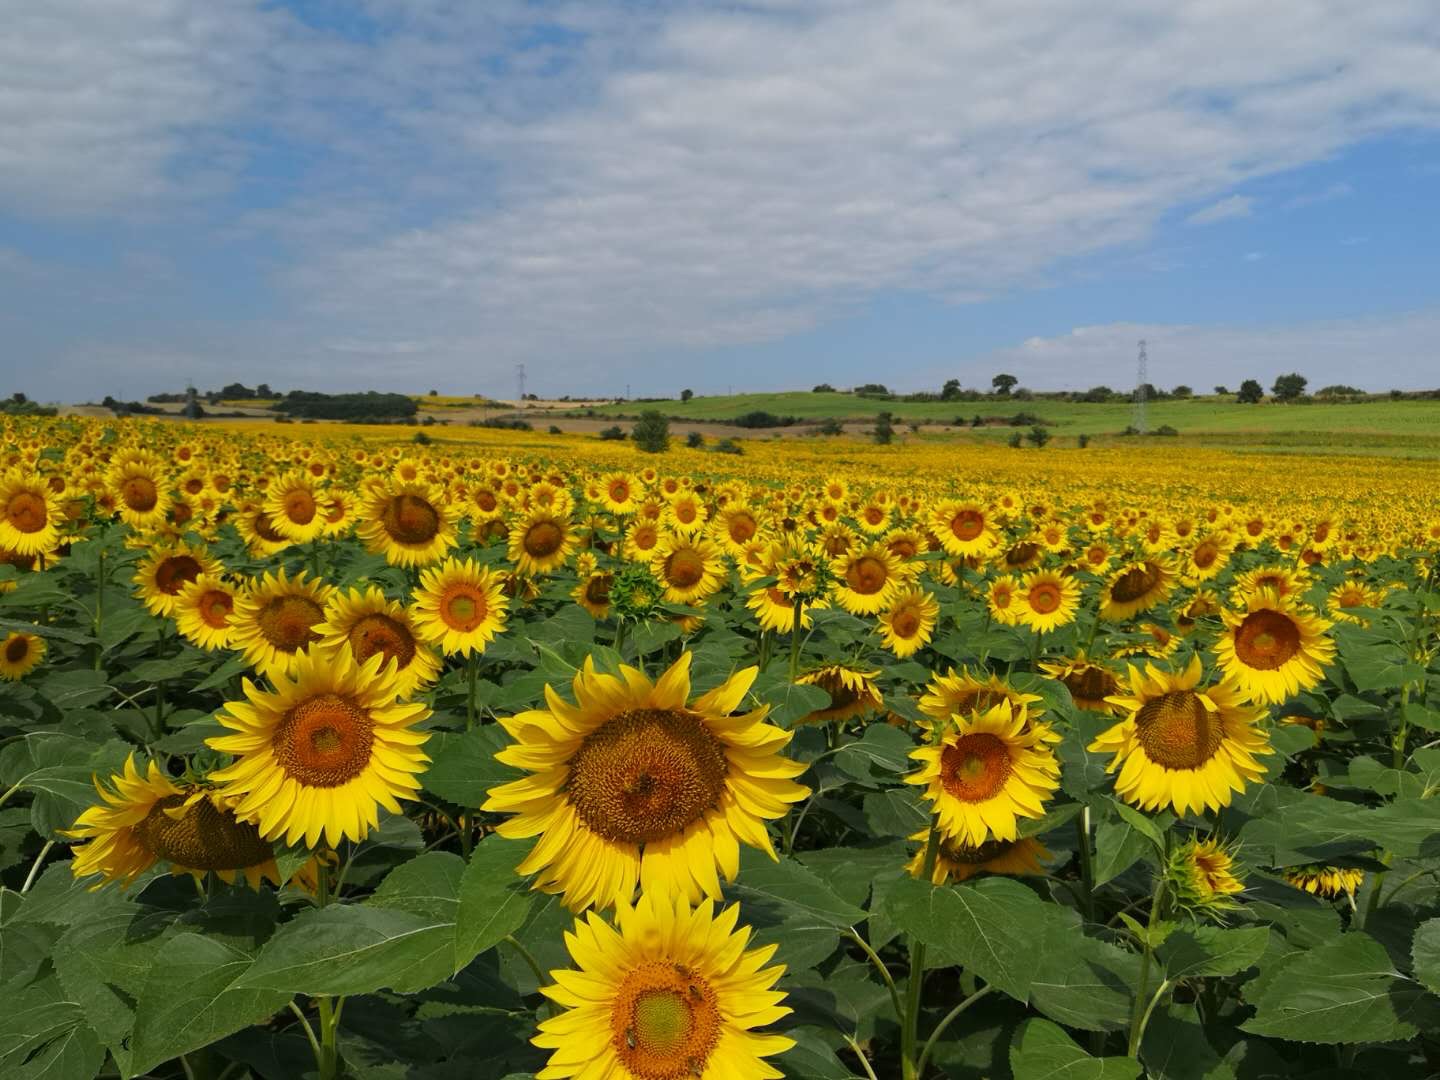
[[416, 194]]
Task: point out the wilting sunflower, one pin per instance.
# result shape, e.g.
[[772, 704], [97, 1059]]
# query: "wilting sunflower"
[[666, 994], [1182, 747], [321, 754], [867, 578], [690, 567], [1137, 587], [1089, 683], [411, 524], [460, 606], [964, 528], [960, 862], [541, 542], [142, 495], [30, 515], [635, 784], [906, 626], [364, 623], [1327, 881], [204, 611], [986, 772], [296, 508], [146, 818], [1047, 601], [1204, 876], [852, 692], [1203, 605], [167, 570], [20, 654], [275, 619], [1274, 648]]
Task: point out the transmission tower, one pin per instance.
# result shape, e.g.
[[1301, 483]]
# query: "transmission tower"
[[520, 380], [1142, 390]]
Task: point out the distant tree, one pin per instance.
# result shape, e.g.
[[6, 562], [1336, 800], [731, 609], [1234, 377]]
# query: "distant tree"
[[1221, 391], [19, 398], [1289, 387], [1083, 441], [264, 391], [652, 432], [686, 395], [1038, 435], [1146, 392], [1098, 394], [951, 390], [433, 393], [1251, 392], [1021, 393], [884, 430], [1338, 390], [1182, 391], [694, 440], [872, 389], [1002, 384], [823, 388], [1014, 440], [613, 434], [236, 392], [832, 427]]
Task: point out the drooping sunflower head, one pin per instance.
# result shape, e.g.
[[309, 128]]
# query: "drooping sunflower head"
[[1329, 882], [460, 606], [1204, 876], [775, 611], [163, 574], [411, 523], [30, 514], [20, 654], [146, 818], [636, 784], [1156, 642], [985, 773], [960, 862], [1182, 746], [1136, 587], [204, 611], [1283, 581], [1089, 683], [275, 619], [1203, 605], [321, 754], [667, 993], [852, 692], [364, 622], [906, 626], [1274, 648]]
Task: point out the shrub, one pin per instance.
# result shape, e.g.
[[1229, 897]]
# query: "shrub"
[[1014, 439], [822, 388], [1038, 435], [694, 440], [555, 430], [729, 446], [884, 431], [613, 434], [422, 439], [832, 427], [759, 418], [1165, 429], [652, 432], [1083, 441]]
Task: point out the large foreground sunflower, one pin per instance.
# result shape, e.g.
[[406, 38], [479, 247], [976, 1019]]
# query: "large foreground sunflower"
[[669, 993], [321, 754], [147, 818], [1182, 747], [986, 772], [1274, 648], [636, 784]]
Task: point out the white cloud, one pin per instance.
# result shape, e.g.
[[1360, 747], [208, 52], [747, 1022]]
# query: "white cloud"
[[1236, 206], [1329, 194]]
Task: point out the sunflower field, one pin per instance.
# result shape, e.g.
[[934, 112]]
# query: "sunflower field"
[[327, 753]]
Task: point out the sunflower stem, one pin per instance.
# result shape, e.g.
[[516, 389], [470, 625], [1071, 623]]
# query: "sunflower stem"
[[6, 796], [328, 1061], [860, 1055], [472, 668], [795, 631], [910, 1026], [99, 601], [1154, 1000], [309, 1031], [889, 979], [1087, 862], [944, 1025], [1138, 1015], [35, 867]]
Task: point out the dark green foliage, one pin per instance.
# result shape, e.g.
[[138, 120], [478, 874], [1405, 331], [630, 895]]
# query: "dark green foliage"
[[1251, 393], [370, 405], [652, 432]]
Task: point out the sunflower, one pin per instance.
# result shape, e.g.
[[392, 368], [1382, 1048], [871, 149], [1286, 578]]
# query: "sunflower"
[[319, 755], [852, 692], [775, 611], [541, 542], [635, 784], [141, 494], [259, 532], [460, 606], [1158, 643], [985, 772], [867, 578], [1002, 600], [364, 622], [275, 619], [1274, 648], [962, 693], [1047, 601], [800, 570], [29, 514], [690, 568], [1283, 581], [964, 528], [1327, 881], [641, 540], [1203, 605], [167, 570], [296, 508], [1352, 593], [734, 526], [204, 611], [1089, 683], [1181, 747], [1209, 555], [685, 513], [1203, 876], [908, 623], [411, 523], [20, 654], [960, 862], [667, 993], [147, 818], [1136, 587], [592, 592]]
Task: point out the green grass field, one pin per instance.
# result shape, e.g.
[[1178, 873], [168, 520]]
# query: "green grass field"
[[1401, 428]]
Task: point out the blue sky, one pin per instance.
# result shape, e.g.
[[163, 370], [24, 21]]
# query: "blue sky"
[[407, 194]]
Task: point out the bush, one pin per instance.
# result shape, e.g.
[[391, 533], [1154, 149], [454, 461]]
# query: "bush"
[[823, 388], [1083, 441], [1165, 429], [729, 446], [1014, 440], [831, 427], [422, 439], [884, 431], [694, 440], [555, 430], [503, 423], [872, 389], [652, 432], [1038, 435], [613, 434], [759, 418], [370, 405], [1021, 419]]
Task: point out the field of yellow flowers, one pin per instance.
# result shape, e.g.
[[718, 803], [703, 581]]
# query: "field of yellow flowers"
[[328, 753]]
